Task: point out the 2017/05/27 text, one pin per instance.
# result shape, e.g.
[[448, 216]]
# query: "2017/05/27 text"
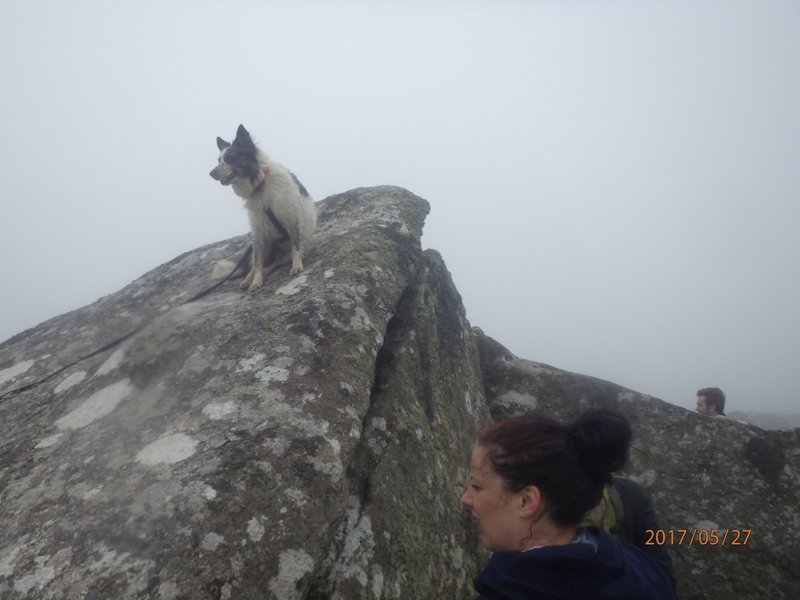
[[701, 537]]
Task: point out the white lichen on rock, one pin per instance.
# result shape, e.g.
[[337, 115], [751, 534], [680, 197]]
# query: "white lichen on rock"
[[269, 374], [219, 410], [14, 371], [114, 361], [294, 286], [359, 546], [98, 405], [6, 562], [248, 364], [49, 441], [170, 448], [255, 530], [293, 565], [212, 541], [70, 381], [38, 579]]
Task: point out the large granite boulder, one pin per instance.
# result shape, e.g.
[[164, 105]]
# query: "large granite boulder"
[[303, 441], [703, 474]]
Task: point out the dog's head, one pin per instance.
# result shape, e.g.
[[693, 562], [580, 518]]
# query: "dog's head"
[[237, 160]]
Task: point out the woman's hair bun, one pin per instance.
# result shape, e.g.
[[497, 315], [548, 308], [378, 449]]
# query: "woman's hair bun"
[[602, 439]]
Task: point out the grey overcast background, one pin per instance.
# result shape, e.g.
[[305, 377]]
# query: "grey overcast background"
[[613, 184]]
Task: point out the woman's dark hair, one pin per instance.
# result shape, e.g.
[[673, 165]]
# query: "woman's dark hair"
[[569, 464]]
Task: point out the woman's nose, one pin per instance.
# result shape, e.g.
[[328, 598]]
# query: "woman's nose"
[[466, 499]]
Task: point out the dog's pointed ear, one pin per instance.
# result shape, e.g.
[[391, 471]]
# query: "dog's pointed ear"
[[222, 144], [243, 135]]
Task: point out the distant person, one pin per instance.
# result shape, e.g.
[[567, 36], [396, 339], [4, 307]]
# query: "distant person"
[[531, 482], [711, 402]]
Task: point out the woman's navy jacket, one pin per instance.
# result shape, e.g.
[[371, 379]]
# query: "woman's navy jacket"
[[615, 570]]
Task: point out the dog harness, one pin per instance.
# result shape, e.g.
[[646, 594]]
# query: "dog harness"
[[274, 220], [271, 215]]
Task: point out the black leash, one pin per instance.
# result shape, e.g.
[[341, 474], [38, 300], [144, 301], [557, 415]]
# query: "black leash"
[[274, 220], [238, 266], [119, 340]]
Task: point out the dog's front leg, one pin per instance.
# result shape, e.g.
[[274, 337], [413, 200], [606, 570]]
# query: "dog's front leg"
[[297, 260], [255, 278], [248, 280], [297, 251]]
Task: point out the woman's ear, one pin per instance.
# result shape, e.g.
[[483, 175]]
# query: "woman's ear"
[[532, 502]]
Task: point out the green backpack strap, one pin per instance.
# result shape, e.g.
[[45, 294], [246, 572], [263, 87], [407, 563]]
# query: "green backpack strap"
[[612, 496], [607, 512]]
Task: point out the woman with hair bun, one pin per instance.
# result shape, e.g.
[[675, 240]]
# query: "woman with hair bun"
[[532, 481]]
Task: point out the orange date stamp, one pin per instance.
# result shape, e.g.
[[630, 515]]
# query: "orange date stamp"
[[697, 537]]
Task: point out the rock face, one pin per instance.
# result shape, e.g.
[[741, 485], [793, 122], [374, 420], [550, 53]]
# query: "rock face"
[[300, 442], [703, 473], [305, 441]]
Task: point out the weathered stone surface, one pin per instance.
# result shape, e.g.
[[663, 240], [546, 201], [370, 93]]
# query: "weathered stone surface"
[[305, 441], [702, 473], [404, 534], [231, 448]]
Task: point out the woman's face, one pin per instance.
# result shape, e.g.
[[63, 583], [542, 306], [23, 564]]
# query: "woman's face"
[[495, 508]]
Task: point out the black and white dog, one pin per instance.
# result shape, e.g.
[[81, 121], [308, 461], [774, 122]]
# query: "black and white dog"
[[279, 208]]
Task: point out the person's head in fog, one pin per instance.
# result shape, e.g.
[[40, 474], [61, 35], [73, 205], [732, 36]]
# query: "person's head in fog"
[[710, 401]]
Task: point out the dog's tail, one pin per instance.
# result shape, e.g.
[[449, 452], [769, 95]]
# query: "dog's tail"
[[224, 269], [227, 269]]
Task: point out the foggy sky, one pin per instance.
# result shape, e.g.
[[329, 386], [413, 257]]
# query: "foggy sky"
[[614, 184]]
